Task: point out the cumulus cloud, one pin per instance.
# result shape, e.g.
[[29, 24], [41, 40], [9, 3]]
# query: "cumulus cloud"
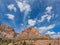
[[48, 15], [10, 16], [24, 7], [46, 28], [44, 17], [56, 35], [53, 34], [49, 18], [11, 7], [31, 22], [50, 33], [49, 9]]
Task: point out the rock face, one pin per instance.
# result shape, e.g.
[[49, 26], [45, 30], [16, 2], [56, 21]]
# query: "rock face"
[[6, 31], [31, 33]]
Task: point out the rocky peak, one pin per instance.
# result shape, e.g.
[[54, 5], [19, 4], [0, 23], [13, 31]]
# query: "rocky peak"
[[5, 27], [31, 32], [7, 31]]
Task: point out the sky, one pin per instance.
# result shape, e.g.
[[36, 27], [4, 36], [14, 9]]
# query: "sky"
[[41, 14]]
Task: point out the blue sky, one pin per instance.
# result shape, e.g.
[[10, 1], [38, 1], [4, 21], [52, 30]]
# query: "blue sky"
[[21, 14]]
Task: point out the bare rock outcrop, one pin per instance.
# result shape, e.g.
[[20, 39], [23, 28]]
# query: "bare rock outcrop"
[[31, 33], [6, 31]]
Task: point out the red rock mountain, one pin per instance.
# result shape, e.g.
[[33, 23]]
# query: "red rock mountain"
[[31, 33], [6, 31]]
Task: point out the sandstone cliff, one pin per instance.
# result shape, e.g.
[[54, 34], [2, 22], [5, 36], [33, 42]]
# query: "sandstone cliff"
[[32, 33], [6, 32]]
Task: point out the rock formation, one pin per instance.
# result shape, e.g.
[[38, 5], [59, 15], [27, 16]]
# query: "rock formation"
[[31, 33], [6, 31]]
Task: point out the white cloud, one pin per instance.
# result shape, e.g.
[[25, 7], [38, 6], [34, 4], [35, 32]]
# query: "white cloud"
[[24, 7], [47, 15], [46, 28], [56, 35], [44, 17], [49, 9], [49, 32], [31, 22], [12, 7], [49, 18], [10, 16]]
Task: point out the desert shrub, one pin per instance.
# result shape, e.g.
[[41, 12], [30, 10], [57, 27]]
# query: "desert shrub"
[[16, 44], [5, 43], [9, 40], [24, 43], [49, 43], [0, 39]]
